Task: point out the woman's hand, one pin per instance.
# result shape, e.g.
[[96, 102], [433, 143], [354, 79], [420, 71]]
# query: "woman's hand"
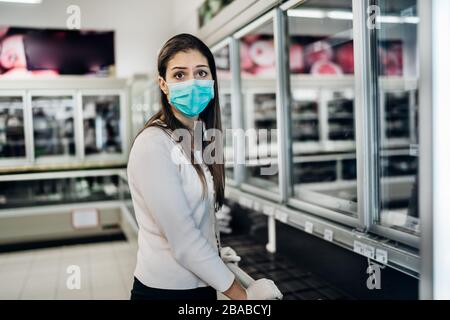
[[263, 289], [228, 255]]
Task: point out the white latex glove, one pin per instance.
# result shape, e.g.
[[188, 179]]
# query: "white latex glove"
[[228, 255], [263, 289]]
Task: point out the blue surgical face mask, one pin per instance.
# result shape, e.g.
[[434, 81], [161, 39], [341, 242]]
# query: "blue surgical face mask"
[[192, 96]]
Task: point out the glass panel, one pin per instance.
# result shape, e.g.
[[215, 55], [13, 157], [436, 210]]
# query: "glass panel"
[[16, 194], [305, 116], [341, 117], [140, 104], [53, 125], [12, 132], [397, 69], [322, 104], [258, 74], [101, 119], [222, 59]]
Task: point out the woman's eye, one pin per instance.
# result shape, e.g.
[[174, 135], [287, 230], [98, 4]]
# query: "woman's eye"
[[202, 73], [179, 76]]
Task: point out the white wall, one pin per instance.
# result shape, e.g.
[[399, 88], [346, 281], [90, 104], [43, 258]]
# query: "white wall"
[[185, 16], [141, 26]]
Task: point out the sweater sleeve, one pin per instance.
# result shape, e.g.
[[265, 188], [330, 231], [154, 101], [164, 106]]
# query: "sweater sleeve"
[[156, 176]]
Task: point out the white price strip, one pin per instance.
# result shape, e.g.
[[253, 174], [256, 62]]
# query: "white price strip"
[[268, 210], [281, 216], [328, 235], [358, 247], [364, 249], [381, 256], [369, 252], [309, 227]]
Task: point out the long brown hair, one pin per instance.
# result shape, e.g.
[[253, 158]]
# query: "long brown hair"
[[210, 116]]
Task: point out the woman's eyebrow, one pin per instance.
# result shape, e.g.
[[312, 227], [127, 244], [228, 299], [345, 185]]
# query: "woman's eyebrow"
[[183, 68]]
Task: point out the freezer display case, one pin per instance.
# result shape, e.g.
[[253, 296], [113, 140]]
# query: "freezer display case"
[[341, 116], [21, 191], [352, 144], [46, 206], [53, 125], [12, 127], [102, 124], [305, 117], [221, 54], [322, 111], [259, 105], [398, 116], [63, 123], [225, 104], [142, 91]]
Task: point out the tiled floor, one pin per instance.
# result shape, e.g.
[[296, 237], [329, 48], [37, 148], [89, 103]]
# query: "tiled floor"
[[106, 272]]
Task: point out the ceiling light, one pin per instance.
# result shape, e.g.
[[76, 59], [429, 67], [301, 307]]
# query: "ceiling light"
[[340, 15], [307, 13], [23, 1]]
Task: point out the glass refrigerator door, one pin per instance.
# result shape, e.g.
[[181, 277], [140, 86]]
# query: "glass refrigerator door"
[[53, 125], [305, 120], [53, 191], [102, 124], [258, 76], [397, 67], [322, 107], [222, 59], [12, 130]]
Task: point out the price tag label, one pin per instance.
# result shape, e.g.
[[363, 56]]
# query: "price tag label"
[[309, 227], [364, 249], [369, 252], [358, 247], [381, 256], [328, 235]]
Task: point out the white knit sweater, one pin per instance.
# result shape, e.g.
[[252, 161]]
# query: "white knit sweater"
[[177, 247]]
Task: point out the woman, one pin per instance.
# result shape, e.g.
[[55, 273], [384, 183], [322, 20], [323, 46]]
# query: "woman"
[[176, 193]]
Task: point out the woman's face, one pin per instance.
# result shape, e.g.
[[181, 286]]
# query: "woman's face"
[[185, 66]]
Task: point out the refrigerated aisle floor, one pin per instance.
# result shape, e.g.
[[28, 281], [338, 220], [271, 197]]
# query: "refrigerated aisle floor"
[[294, 282], [106, 272]]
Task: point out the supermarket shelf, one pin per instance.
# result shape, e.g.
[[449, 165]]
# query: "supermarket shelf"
[[390, 253]]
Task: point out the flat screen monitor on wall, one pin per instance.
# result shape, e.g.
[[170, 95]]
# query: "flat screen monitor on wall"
[[30, 52]]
